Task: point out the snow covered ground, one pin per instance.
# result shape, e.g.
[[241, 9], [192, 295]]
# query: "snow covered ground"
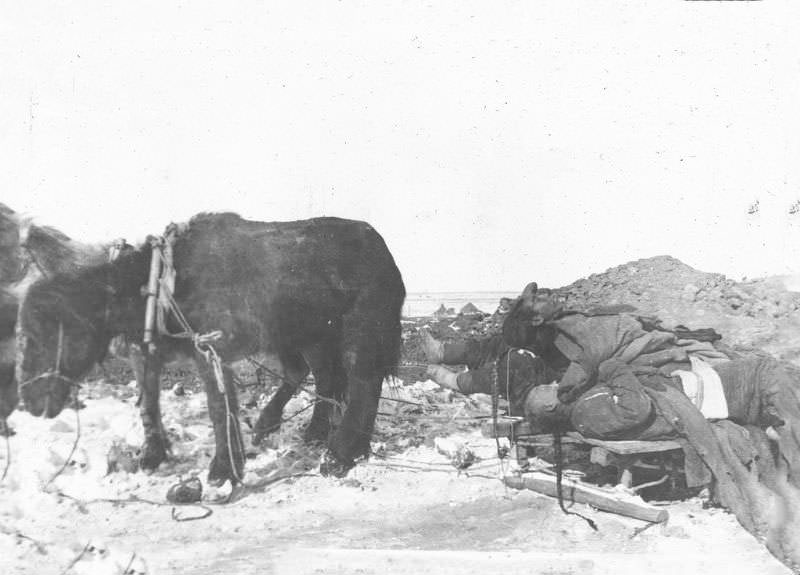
[[407, 510]]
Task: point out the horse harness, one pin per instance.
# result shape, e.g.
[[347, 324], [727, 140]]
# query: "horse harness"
[[161, 302]]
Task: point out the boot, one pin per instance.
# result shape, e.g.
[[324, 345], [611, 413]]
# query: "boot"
[[431, 347], [443, 376]]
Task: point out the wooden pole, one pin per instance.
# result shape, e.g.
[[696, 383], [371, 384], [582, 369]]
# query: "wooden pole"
[[152, 295], [614, 502]]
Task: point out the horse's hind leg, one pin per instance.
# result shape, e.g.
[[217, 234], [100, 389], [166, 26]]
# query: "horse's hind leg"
[[329, 379], [223, 408], [9, 396], [154, 449], [295, 370], [371, 338], [364, 380]]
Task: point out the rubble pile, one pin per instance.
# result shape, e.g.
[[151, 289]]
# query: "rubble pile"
[[664, 282], [758, 313], [752, 314]]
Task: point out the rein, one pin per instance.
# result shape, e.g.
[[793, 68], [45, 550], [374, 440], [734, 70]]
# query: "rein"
[[558, 455], [56, 371], [502, 452]]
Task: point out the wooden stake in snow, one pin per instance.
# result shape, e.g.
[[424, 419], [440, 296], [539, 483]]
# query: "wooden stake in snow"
[[603, 499]]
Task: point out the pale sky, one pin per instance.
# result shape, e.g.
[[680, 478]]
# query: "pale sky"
[[491, 143]]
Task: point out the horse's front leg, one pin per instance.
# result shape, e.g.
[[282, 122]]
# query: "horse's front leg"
[[223, 408], [295, 369], [271, 416], [154, 449]]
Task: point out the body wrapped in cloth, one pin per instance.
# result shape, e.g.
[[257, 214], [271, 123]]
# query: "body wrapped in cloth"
[[624, 381]]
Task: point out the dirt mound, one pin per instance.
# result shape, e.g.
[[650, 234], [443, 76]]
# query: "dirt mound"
[[755, 313], [666, 282], [471, 310], [751, 315]]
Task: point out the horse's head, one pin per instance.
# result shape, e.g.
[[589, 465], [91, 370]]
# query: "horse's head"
[[62, 331], [538, 305], [10, 261], [529, 312], [9, 397]]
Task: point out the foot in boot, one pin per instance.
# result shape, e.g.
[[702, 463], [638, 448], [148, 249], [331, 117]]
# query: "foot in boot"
[[431, 347], [443, 376]]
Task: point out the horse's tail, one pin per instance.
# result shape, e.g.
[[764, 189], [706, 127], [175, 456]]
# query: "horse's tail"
[[378, 306], [391, 295], [393, 344]]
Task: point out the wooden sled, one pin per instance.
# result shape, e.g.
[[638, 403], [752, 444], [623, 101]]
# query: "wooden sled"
[[625, 456]]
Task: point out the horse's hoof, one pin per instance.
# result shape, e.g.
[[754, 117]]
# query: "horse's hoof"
[[5, 429], [331, 465], [220, 471], [153, 454]]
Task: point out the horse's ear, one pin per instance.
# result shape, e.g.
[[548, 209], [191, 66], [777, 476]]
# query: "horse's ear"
[[528, 295]]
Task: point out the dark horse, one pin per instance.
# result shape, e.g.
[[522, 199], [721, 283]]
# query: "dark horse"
[[28, 252], [322, 295]]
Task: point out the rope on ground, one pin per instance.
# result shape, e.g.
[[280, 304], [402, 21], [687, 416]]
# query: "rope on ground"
[[77, 558], [128, 566], [283, 420], [642, 529], [183, 518], [445, 465], [400, 466], [8, 456], [305, 380], [74, 444], [133, 499], [270, 481], [140, 500], [40, 547], [558, 455]]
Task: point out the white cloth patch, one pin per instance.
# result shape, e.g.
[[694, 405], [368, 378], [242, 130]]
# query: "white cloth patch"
[[704, 388]]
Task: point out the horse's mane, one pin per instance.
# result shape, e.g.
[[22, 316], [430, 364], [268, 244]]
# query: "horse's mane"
[[29, 250], [9, 246], [74, 270], [76, 292], [55, 252]]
